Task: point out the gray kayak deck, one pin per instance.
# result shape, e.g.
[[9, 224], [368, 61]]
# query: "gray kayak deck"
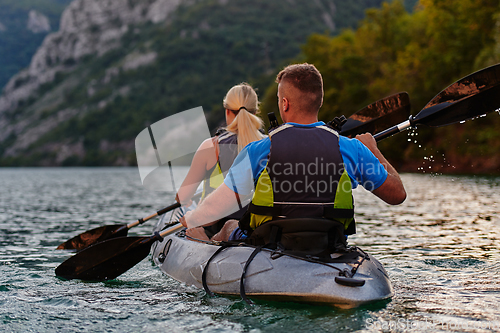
[[273, 277]]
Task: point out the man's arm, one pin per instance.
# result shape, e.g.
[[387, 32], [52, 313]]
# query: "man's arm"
[[392, 190], [224, 200], [220, 203]]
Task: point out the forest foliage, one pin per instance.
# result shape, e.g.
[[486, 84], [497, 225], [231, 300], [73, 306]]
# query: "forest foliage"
[[206, 47], [422, 53], [394, 48]]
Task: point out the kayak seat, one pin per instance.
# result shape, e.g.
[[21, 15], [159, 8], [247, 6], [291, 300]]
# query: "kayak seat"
[[305, 236]]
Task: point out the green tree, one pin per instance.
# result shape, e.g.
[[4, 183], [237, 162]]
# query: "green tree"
[[421, 53]]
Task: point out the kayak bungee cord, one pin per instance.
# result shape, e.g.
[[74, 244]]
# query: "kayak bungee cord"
[[345, 275], [280, 253]]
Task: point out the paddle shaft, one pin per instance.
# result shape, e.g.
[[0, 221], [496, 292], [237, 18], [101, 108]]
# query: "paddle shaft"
[[171, 230], [158, 213], [393, 130]]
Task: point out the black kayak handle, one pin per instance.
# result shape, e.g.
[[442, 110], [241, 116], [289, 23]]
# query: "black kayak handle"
[[167, 209]]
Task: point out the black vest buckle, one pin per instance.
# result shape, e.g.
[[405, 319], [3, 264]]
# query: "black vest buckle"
[[337, 123]]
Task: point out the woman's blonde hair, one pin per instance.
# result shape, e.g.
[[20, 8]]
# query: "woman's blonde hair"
[[243, 101]]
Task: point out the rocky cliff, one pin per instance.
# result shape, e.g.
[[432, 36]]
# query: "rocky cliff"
[[88, 27], [37, 22], [24, 24], [115, 66]]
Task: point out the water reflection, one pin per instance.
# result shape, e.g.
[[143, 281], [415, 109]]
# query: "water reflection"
[[441, 249]]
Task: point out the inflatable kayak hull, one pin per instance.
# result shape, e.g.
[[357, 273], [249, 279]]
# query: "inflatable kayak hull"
[[271, 276]]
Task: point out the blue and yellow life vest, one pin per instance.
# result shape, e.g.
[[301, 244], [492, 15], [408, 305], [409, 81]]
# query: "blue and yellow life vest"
[[226, 150], [304, 178]]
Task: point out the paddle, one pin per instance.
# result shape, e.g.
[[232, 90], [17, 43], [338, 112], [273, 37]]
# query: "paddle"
[[111, 258], [103, 233], [470, 97], [378, 116]]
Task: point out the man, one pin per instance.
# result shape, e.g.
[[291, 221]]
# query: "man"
[[303, 169]]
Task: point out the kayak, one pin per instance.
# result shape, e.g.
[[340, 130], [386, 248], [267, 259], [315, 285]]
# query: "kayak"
[[347, 280]]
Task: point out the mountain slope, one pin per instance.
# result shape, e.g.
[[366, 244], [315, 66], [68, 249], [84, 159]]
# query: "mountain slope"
[[23, 26], [116, 66]]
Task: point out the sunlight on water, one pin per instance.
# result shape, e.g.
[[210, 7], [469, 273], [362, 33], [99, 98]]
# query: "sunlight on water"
[[440, 248]]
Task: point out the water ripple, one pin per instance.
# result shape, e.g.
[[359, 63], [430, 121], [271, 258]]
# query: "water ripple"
[[440, 248]]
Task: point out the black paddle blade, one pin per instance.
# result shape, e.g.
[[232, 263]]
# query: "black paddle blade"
[[472, 96], [106, 260], [93, 236], [378, 116]]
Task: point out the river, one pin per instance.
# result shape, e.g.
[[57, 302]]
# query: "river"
[[441, 249]]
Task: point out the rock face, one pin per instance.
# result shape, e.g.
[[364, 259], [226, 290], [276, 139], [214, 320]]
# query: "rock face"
[[37, 22], [88, 27], [77, 103]]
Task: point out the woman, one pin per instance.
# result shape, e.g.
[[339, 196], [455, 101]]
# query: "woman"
[[215, 155]]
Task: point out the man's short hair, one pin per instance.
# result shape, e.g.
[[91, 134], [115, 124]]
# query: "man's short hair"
[[307, 79]]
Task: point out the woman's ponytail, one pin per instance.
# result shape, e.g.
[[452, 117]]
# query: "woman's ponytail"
[[242, 100]]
